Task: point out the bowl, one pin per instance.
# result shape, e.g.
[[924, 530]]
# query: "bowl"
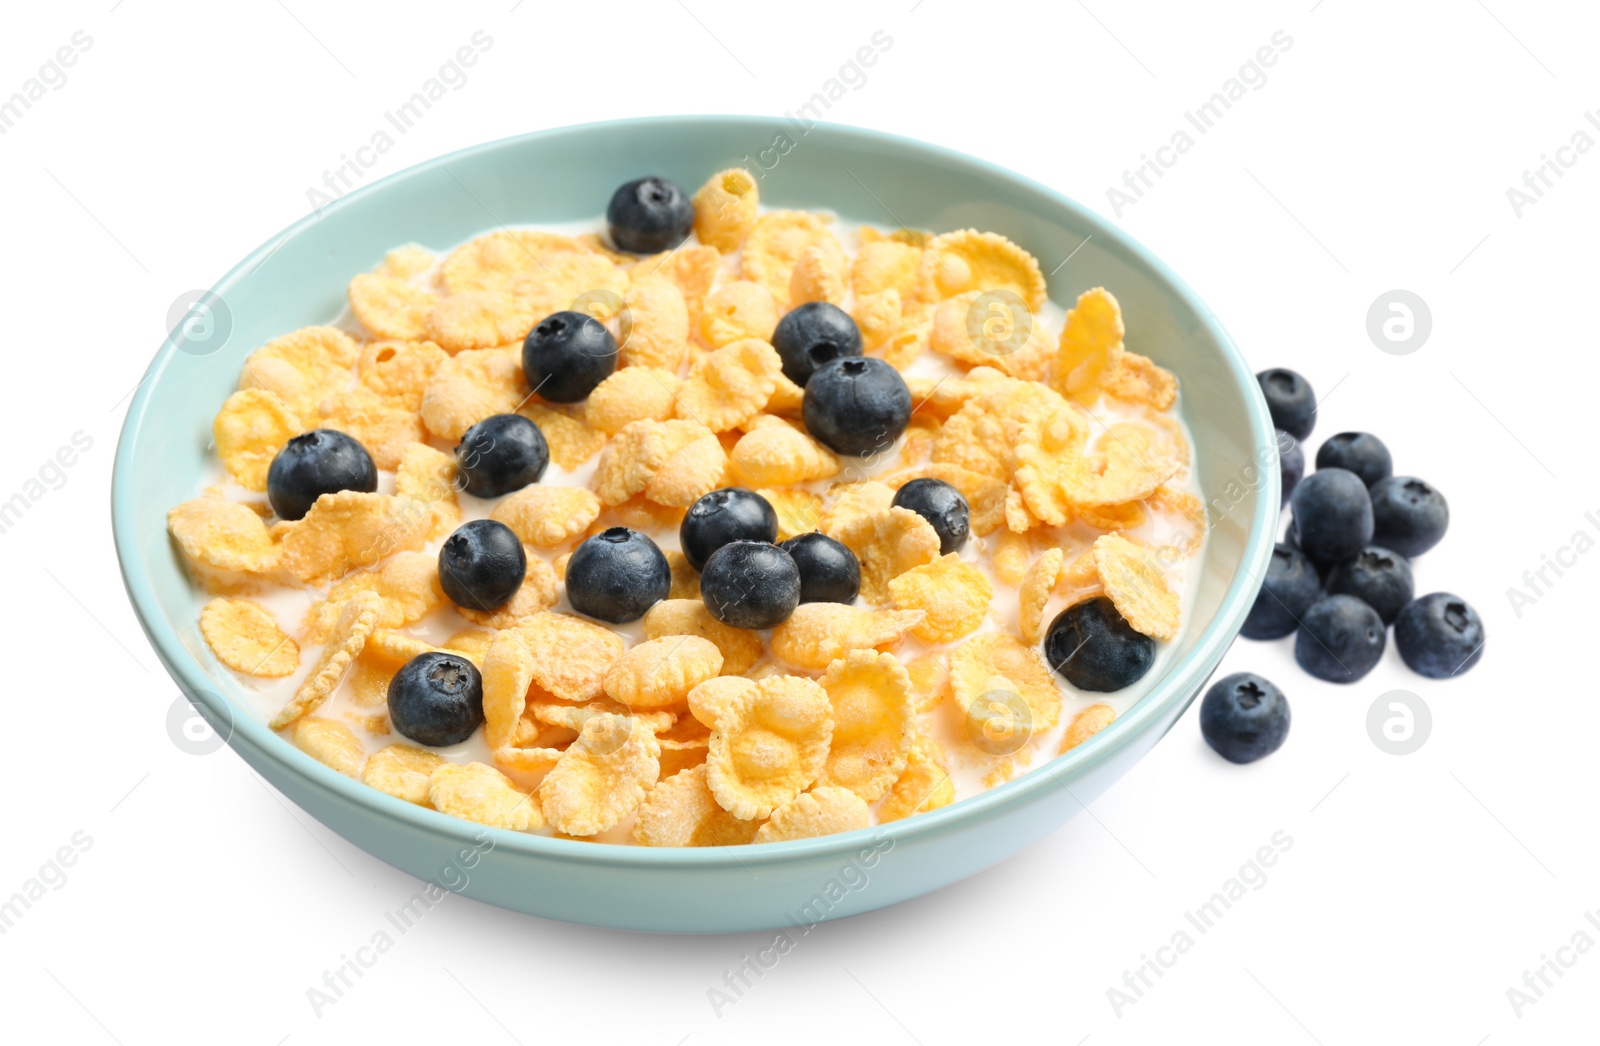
[[298, 279]]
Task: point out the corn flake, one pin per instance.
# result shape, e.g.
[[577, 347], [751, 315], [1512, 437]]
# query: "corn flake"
[[469, 387], [221, 537], [768, 745], [1137, 379], [391, 307], [547, 516], [356, 623], [691, 269], [302, 367], [329, 743], [480, 793], [853, 501], [818, 275], [602, 777], [885, 265], [740, 648], [956, 262], [402, 771], [818, 633], [571, 441], [499, 260], [775, 455], [381, 425], [1090, 350], [1034, 594], [730, 385], [251, 428], [1134, 581], [776, 242], [713, 698], [953, 594], [653, 327], [873, 722], [659, 673], [570, 655], [821, 811], [995, 663], [924, 784], [681, 811], [631, 394], [799, 511], [725, 209], [399, 371], [247, 639], [351, 529], [1086, 724], [737, 310], [888, 543]]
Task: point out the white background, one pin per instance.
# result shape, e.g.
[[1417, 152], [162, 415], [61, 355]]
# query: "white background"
[[1376, 156]]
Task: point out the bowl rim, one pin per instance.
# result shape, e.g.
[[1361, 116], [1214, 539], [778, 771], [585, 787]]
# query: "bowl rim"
[[1182, 680]]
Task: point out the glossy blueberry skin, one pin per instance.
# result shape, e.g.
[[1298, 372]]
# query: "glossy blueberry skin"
[[500, 454], [1378, 577], [1358, 452], [436, 699], [1244, 717], [1290, 401], [942, 506], [724, 515], [1288, 590], [829, 571], [617, 575], [1409, 516], [810, 335], [482, 565], [648, 215], [1093, 647], [322, 461], [566, 355], [750, 584], [1291, 465], [1439, 635], [856, 405], [1340, 639], [1332, 515]]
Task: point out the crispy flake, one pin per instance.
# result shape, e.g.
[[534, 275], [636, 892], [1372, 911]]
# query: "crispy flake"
[[821, 811], [740, 648], [769, 744], [953, 594], [730, 385], [251, 428], [602, 777], [888, 543], [1134, 581], [247, 639], [547, 516], [874, 722], [659, 673], [725, 209], [1086, 724], [329, 743], [818, 633], [478, 792], [402, 771], [356, 623], [681, 811]]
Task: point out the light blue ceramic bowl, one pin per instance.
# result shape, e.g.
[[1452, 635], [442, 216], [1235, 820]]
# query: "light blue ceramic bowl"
[[298, 279]]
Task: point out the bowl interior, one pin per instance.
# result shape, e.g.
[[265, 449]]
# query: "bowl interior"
[[298, 279]]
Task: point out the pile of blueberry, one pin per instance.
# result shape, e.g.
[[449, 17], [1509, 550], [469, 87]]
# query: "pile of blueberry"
[[1341, 577]]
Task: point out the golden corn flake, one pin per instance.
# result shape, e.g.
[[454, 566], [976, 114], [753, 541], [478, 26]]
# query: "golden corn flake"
[[1133, 579], [408, 585], [888, 543], [653, 326], [775, 454], [953, 594], [885, 265], [725, 209], [737, 310], [818, 275], [740, 648], [878, 316], [712, 698], [390, 307], [852, 501], [302, 367], [631, 394], [1010, 558], [822, 811], [547, 516], [215, 534], [924, 784], [572, 442], [536, 594], [685, 578], [1125, 468], [799, 511], [329, 743], [641, 514], [681, 811], [394, 648], [873, 722], [246, 638], [659, 673], [903, 347], [507, 673], [968, 260], [479, 320], [994, 668], [369, 678], [356, 623], [399, 371], [694, 470], [769, 745], [634, 456], [572, 717], [1034, 594], [470, 387], [731, 385], [787, 398], [499, 260], [480, 793], [428, 476], [570, 655], [602, 777], [1091, 345], [776, 242], [1086, 724], [384, 427], [404, 263], [402, 771], [986, 496], [691, 269], [930, 680], [526, 767], [251, 428], [581, 280], [818, 633], [1137, 379], [351, 529]]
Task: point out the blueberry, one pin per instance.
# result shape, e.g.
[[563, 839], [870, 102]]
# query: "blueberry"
[[1244, 717], [1379, 578], [617, 575], [1289, 589], [648, 215], [810, 335], [481, 565], [1091, 646], [436, 699], [1290, 401], [856, 405], [750, 584], [729, 514], [1359, 452], [829, 572], [1439, 635], [1340, 639], [1332, 515], [1291, 464], [566, 355], [322, 461], [1408, 515], [941, 505], [501, 453]]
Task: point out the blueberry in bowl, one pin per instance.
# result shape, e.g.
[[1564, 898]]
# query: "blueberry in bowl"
[[829, 571], [724, 515], [856, 405], [1092, 646], [617, 575], [812, 334], [500, 454], [942, 505], [322, 461], [566, 355], [648, 215], [482, 565]]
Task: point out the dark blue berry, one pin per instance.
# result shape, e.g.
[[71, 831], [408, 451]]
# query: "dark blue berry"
[[436, 699], [1340, 639], [566, 355], [941, 505], [750, 584], [1439, 635], [1290, 401], [856, 405], [1289, 589], [1408, 515], [322, 461], [1094, 648], [1244, 717], [501, 453], [1359, 452], [648, 215], [1291, 464], [1332, 515], [1379, 578], [728, 514], [810, 335], [481, 565], [617, 575], [829, 571]]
